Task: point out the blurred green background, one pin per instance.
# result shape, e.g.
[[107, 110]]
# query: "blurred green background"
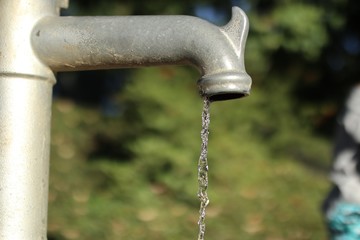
[[125, 143]]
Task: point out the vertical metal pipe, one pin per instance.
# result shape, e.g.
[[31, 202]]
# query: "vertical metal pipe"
[[25, 113]]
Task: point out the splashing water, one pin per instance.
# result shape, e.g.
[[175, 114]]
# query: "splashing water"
[[203, 168]]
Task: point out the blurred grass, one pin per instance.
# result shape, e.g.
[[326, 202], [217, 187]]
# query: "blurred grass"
[[134, 176]]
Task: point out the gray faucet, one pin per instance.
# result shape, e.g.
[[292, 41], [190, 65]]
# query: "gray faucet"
[[36, 43]]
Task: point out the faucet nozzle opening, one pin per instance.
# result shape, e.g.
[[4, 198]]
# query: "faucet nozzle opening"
[[225, 86], [226, 96]]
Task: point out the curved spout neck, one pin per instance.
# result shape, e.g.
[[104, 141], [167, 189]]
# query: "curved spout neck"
[[88, 43]]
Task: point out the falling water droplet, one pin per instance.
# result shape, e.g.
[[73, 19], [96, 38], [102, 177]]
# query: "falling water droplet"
[[203, 168]]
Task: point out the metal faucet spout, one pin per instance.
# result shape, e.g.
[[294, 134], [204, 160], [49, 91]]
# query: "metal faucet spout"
[[90, 43]]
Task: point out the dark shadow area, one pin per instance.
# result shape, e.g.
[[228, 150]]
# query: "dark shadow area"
[[92, 88], [51, 236], [108, 148]]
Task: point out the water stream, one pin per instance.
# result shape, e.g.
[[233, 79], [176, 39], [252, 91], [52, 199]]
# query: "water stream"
[[203, 168]]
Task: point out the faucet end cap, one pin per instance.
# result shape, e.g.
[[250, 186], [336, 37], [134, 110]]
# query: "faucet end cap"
[[225, 86]]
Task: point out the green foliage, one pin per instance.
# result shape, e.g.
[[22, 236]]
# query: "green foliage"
[[296, 35], [289, 30], [145, 188]]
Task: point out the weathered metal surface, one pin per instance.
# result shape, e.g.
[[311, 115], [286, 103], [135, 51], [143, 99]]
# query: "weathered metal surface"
[[25, 113], [87, 43]]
